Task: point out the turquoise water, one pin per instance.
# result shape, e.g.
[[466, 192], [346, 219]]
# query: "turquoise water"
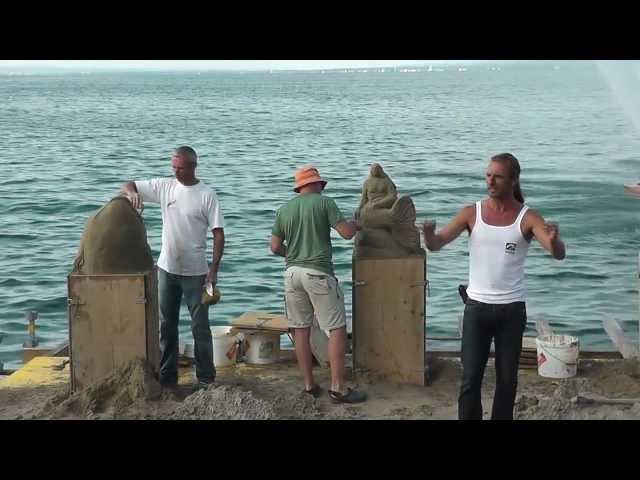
[[70, 141]]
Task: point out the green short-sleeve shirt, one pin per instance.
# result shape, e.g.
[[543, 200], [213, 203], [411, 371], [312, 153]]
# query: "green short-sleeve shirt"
[[304, 223]]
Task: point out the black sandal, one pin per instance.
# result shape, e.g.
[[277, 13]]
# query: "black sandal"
[[313, 391], [352, 396]]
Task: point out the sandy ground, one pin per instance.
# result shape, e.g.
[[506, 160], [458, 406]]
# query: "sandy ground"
[[274, 392]]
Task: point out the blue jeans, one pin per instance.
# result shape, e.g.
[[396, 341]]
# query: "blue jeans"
[[171, 289]]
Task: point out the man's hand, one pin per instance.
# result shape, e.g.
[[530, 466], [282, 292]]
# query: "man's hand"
[[136, 200], [212, 277], [429, 228], [553, 230], [547, 233], [429, 234], [130, 190]]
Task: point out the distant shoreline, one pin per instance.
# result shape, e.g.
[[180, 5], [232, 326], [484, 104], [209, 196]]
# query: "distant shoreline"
[[454, 65]]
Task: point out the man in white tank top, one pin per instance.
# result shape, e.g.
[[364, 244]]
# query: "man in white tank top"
[[500, 228]]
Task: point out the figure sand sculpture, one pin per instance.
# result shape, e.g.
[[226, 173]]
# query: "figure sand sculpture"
[[387, 221]]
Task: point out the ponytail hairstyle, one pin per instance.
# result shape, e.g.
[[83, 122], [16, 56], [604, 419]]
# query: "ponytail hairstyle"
[[514, 166]]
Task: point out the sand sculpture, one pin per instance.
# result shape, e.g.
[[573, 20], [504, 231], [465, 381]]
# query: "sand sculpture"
[[114, 241], [388, 221]]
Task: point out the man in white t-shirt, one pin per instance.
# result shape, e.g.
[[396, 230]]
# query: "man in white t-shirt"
[[189, 209]]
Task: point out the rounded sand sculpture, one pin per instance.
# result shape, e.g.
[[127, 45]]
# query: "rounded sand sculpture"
[[387, 221]]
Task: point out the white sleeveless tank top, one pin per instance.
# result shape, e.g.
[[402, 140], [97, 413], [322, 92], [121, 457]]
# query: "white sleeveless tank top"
[[496, 261]]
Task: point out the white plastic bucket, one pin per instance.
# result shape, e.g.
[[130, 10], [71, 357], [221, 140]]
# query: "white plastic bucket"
[[225, 347], [261, 348], [557, 355]]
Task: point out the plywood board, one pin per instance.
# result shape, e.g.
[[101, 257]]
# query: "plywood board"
[[389, 317], [542, 326], [272, 322], [113, 319], [261, 321], [29, 353], [152, 321], [319, 342], [623, 344], [39, 371]]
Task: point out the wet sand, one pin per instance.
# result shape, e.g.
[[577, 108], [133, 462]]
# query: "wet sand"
[[275, 392]]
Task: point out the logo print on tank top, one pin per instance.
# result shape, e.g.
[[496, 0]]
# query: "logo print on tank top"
[[510, 248]]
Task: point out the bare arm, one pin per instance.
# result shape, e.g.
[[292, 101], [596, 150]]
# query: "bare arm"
[[218, 250], [435, 241], [277, 247], [346, 229], [130, 190], [548, 234]]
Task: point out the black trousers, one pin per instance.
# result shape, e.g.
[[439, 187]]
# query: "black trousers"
[[505, 324]]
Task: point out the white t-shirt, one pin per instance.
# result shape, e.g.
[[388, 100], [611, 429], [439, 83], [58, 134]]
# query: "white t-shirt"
[[188, 213]]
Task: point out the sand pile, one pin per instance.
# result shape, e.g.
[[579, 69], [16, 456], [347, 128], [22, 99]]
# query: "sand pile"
[[132, 392], [621, 381], [224, 402], [110, 398]]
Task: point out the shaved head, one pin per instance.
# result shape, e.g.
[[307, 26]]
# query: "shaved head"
[[187, 153]]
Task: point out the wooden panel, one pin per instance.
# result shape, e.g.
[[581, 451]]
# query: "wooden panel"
[[389, 316], [319, 343], [262, 321], [272, 322], [152, 311], [30, 353], [61, 350], [39, 371], [542, 326], [623, 344], [112, 321], [585, 355]]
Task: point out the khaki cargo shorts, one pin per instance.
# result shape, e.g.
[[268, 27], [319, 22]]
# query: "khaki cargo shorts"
[[308, 292]]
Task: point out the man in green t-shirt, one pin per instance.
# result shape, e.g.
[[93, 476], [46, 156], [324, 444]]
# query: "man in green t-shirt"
[[301, 234]]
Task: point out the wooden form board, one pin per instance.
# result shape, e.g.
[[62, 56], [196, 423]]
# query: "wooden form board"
[[624, 345], [261, 321], [389, 304], [39, 371], [277, 323], [113, 319], [616, 334]]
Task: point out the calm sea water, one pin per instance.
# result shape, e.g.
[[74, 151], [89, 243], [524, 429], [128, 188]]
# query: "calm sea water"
[[70, 141]]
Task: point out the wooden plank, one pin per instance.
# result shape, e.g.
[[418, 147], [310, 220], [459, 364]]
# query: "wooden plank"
[[39, 371], [583, 355], [529, 343], [319, 344], [592, 398], [389, 311], [29, 353], [61, 350], [277, 323], [261, 321], [152, 319], [624, 346], [112, 321], [542, 326]]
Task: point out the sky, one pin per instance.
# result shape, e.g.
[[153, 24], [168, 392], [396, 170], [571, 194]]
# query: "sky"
[[88, 65]]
